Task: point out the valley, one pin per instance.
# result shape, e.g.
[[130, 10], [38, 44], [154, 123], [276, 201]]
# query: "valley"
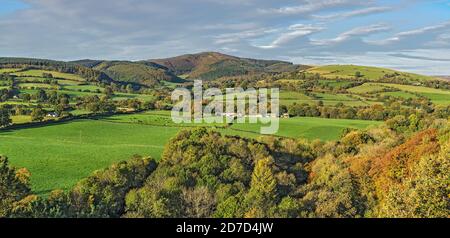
[[322, 103]]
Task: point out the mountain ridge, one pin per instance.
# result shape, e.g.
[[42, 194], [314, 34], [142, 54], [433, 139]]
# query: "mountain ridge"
[[211, 66]]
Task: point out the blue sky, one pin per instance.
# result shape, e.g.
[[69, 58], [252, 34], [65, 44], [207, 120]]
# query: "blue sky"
[[8, 6], [411, 35]]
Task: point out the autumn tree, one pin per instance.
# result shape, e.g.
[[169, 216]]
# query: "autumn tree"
[[332, 191], [14, 186], [426, 193]]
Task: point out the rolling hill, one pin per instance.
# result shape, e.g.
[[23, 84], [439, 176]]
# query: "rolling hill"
[[210, 66], [366, 72], [213, 65], [444, 77]]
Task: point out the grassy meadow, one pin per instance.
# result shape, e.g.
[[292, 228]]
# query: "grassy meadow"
[[55, 74], [371, 73], [437, 96], [59, 155], [306, 127]]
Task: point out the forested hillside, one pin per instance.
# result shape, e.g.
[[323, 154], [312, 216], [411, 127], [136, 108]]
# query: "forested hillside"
[[144, 74], [212, 65]]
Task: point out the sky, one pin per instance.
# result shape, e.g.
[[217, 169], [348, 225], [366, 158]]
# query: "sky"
[[409, 35]]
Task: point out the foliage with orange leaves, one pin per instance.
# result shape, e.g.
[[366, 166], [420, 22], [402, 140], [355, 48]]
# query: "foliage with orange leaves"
[[396, 165]]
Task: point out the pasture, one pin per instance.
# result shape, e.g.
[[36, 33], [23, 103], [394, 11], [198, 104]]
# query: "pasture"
[[288, 98], [31, 79], [308, 127], [59, 155], [367, 88], [55, 74], [91, 88], [437, 96], [371, 73], [35, 85], [8, 70]]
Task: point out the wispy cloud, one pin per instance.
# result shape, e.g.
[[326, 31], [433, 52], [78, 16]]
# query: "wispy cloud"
[[295, 31], [401, 55], [359, 12], [309, 6], [355, 32], [238, 36], [445, 26]]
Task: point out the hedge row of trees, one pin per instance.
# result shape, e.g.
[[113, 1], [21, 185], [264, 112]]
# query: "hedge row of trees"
[[382, 172], [393, 107]]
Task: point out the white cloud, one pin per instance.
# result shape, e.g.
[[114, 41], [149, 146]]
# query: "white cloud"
[[243, 35], [359, 12], [355, 32], [295, 31], [310, 6], [413, 33]]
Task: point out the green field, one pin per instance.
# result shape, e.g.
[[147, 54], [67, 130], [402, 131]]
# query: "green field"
[[59, 155], [437, 96], [36, 85], [16, 103], [371, 73], [335, 83], [333, 99], [288, 98], [157, 118], [91, 88], [310, 128], [31, 79], [367, 88], [39, 73], [20, 119], [400, 94], [289, 95], [65, 82], [8, 70]]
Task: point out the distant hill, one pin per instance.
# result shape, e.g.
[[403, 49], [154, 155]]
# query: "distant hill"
[[213, 65], [366, 72], [446, 77], [87, 62], [208, 66], [131, 72]]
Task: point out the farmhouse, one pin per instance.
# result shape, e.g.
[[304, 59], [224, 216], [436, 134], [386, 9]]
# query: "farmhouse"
[[52, 114]]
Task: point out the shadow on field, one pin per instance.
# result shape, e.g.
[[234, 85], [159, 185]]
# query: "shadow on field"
[[55, 122]]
